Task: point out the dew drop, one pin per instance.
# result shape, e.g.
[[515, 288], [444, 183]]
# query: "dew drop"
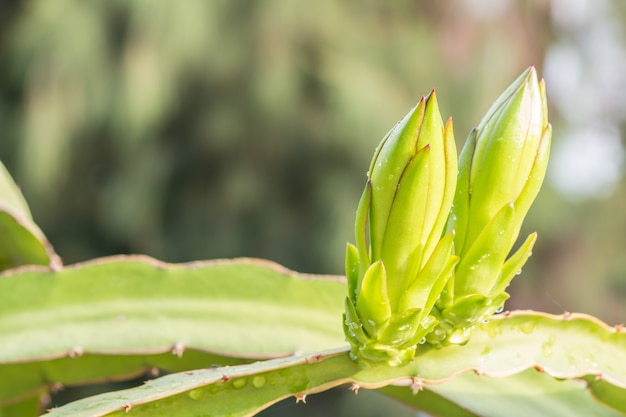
[[404, 327], [485, 321], [240, 383], [499, 309], [460, 336], [423, 341], [258, 381], [572, 362], [196, 394], [527, 327], [546, 348], [518, 272]]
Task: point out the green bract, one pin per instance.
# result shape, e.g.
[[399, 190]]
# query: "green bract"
[[401, 263], [501, 168]]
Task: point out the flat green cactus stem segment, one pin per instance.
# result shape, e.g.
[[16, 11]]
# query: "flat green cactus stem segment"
[[25, 407], [426, 401], [138, 306], [611, 395], [568, 346], [528, 393], [21, 241], [19, 244], [564, 347], [10, 195], [34, 378], [230, 391]]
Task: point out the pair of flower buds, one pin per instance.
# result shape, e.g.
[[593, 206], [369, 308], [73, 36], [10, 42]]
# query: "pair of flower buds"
[[433, 236]]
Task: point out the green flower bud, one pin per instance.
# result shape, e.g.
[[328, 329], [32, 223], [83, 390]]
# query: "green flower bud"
[[501, 169], [400, 262]]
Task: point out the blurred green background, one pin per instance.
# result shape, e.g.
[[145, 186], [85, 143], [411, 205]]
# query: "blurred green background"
[[205, 129]]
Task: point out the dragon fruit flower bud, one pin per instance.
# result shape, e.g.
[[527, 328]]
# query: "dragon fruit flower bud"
[[501, 169], [401, 261]]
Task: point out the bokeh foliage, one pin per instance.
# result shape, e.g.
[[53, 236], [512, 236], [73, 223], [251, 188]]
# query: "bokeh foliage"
[[194, 130]]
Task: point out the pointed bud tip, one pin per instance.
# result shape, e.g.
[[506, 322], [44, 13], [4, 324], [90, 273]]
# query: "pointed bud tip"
[[448, 126], [430, 97]]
